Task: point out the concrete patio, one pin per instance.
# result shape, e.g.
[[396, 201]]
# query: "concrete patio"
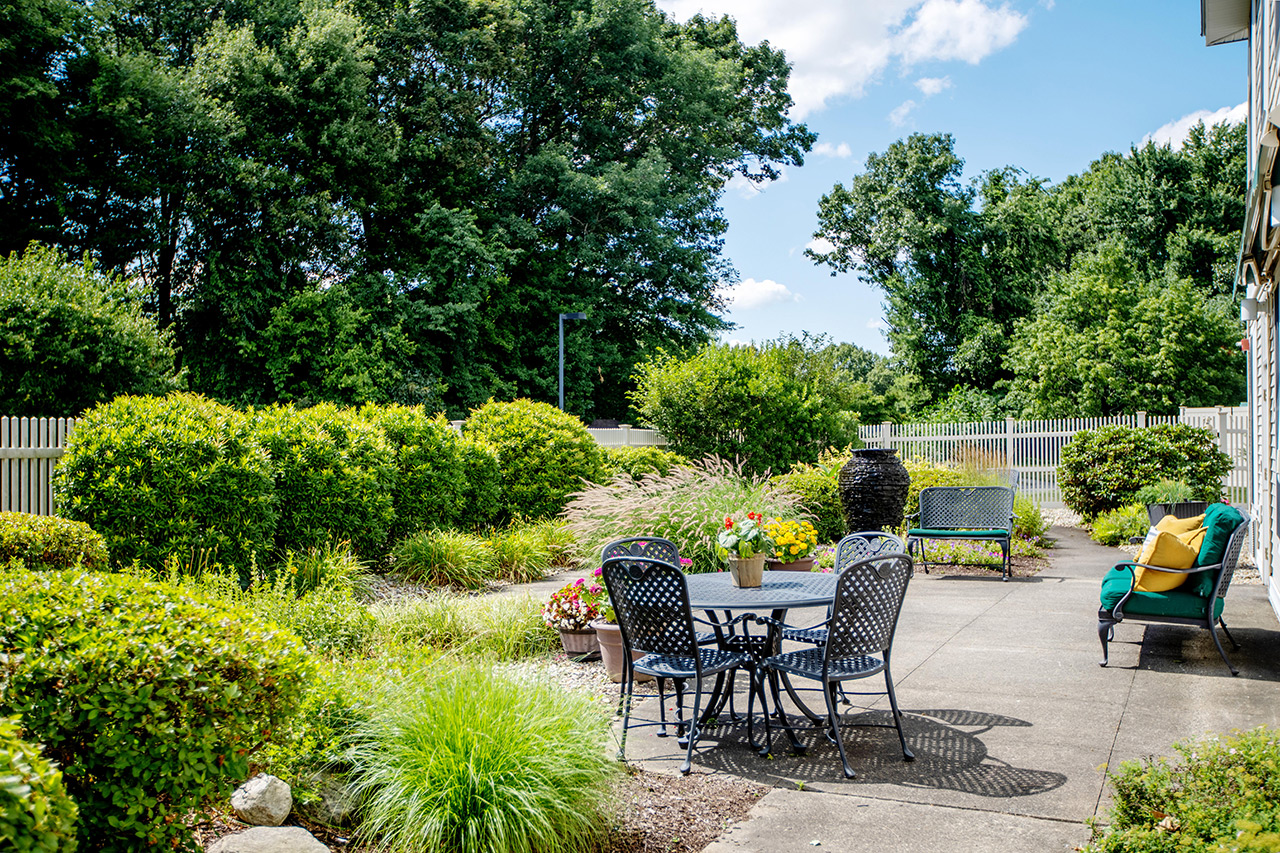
[[1013, 723]]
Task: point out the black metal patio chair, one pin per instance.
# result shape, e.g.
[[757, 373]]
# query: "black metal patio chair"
[[851, 549], [651, 600], [864, 617]]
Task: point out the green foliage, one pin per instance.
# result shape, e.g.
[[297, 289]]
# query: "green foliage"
[[688, 506], [445, 558], [170, 476], [1117, 526], [49, 542], [150, 705], [1103, 469], [333, 477], [1109, 342], [430, 485], [501, 627], [1222, 794], [520, 554], [71, 337], [768, 406], [543, 453], [457, 765], [559, 541], [638, 461], [925, 474], [331, 564], [1165, 492], [36, 815], [818, 495], [482, 484], [1028, 522]]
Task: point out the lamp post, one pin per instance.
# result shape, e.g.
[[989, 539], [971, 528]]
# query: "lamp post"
[[575, 316]]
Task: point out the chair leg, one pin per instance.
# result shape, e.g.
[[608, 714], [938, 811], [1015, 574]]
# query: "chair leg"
[[1106, 630], [662, 707], [693, 727], [626, 713], [1234, 644], [1221, 651], [1006, 548], [834, 717], [907, 754], [682, 730]]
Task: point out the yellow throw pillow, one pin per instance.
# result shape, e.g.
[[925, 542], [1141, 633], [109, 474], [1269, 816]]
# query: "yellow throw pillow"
[[1193, 538], [1179, 526], [1164, 549]]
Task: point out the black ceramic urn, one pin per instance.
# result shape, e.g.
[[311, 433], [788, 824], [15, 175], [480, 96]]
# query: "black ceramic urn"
[[873, 490]]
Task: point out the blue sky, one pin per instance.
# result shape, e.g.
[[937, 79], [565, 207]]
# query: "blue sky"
[[1044, 86]]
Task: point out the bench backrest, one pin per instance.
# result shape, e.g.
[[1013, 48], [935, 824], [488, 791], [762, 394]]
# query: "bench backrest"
[[1231, 557], [968, 507]]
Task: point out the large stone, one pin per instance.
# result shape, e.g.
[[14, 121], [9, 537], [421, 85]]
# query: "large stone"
[[263, 801], [269, 839]]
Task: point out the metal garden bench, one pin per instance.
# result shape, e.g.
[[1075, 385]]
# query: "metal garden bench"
[[983, 513]]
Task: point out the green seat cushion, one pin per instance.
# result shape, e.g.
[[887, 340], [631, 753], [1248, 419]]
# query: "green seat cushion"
[[1175, 602], [926, 533], [1220, 521]]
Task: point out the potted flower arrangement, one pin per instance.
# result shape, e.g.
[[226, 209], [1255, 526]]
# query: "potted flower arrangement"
[[744, 545], [570, 610], [794, 545]]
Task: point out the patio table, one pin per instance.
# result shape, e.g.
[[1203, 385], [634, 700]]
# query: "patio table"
[[778, 592]]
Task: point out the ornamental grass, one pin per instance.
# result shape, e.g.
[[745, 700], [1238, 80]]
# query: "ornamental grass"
[[687, 506], [475, 761]]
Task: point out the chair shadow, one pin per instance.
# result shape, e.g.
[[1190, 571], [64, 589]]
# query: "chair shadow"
[[1188, 649], [949, 755]]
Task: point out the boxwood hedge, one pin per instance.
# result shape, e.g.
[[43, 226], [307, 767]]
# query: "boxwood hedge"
[[149, 697], [36, 814], [49, 542]]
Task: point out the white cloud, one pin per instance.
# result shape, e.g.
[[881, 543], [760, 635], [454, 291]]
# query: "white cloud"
[[820, 245], [826, 149], [838, 49], [877, 324], [750, 189], [1175, 132], [749, 293], [966, 30], [899, 115], [933, 85]]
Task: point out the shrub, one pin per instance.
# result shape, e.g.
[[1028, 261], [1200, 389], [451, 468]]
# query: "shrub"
[[1224, 794], [688, 506], [543, 454], [505, 627], [333, 477], [1115, 527], [925, 474], [520, 554], [560, 543], [1103, 469], [152, 703], [482, 489], [638, 461], [1028, 522], [768, 406], [48, 542], [457, 765], [71, 337], [36, 815], [445, 558], [817, 486], [162, 476], [430, 483]]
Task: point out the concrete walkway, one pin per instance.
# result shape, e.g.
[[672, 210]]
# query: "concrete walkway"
[[1013, 723]]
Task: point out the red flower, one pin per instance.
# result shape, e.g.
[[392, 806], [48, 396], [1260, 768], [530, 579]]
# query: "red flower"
[[753, 516], [728, 523]]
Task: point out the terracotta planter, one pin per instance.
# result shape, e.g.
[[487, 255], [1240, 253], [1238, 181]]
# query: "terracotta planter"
[[747, 572], [804, 564], [580, 645], [612, 651]]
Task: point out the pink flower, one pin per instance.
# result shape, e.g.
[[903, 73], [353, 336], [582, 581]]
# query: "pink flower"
[[685, 561]]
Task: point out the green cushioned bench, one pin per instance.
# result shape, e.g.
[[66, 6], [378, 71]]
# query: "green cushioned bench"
[[983, 513], [1198, 601]]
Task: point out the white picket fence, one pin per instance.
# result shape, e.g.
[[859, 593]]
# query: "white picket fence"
[[1034, 448], [29, 448]]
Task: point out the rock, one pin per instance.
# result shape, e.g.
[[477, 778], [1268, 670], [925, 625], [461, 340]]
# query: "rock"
[[269, 839], [263, 801], [336, 804]]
